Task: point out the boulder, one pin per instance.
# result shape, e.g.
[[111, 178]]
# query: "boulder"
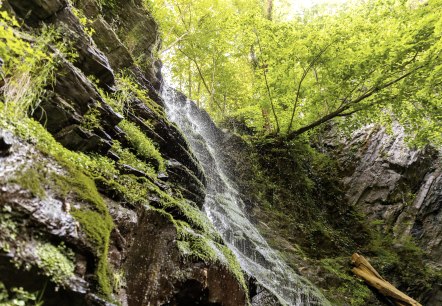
[[160, 275]]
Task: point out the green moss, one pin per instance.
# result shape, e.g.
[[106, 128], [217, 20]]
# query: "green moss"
[[197, 239], [345, 286], [197, 247], [143, 145], [94, 219], [56, 262], [204, 245], [33, 180], [233, 265], [9, 228], [128, 158], [129, 89]]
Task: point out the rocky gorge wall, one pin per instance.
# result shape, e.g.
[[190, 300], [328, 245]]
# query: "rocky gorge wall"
[[397, 186], [100, 195], [320, 199]]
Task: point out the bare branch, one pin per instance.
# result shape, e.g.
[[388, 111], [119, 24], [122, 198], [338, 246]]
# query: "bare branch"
[[267, 86], [175, 42], [200, 73], [304, 75]]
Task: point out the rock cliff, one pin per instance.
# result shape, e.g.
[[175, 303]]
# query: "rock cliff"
[[100, 195], [397, 186]]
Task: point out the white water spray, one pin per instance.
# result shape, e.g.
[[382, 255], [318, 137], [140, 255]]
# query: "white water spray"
[[226, 210]]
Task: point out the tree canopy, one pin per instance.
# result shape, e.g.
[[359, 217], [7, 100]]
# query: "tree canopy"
[[364, 61]]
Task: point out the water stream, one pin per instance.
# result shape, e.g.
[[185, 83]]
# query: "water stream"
[[227, 212]]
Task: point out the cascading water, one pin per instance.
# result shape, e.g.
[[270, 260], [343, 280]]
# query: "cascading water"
[[226, 210]]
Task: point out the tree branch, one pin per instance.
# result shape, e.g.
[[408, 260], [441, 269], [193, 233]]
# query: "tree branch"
[[267, 86], [340, 111], [304, 75], [200, 73], [175, 42]]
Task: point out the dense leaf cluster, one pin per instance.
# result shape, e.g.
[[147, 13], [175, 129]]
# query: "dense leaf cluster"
[[360, 62]]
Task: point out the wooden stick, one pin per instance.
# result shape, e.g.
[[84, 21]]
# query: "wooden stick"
[[363, 269]]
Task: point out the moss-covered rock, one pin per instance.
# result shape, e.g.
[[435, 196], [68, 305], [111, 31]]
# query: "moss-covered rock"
[[92, 159]]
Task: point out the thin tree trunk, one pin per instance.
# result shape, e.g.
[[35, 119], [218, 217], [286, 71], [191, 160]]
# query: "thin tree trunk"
[[269, 10], [190, 79], [198, 88], [264, 67]]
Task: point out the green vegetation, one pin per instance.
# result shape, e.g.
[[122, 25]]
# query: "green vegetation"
[[8, 228], [95, 219], [18, 297], [304, 213], [143, 145], [198, 241], [28, 64], [32, 180], [197, 237], [91, 120], [404, 260], [56, 262], [359, 62], [344, 285]]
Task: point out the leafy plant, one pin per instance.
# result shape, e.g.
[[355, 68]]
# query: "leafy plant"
[[56, 262]]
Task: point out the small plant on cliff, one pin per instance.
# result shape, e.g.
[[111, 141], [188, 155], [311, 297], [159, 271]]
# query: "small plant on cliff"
[[17, 296], [56, 262], [26, 67], [142, 144]]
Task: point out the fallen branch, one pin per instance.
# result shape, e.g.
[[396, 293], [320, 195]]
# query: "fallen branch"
[[363, 269]]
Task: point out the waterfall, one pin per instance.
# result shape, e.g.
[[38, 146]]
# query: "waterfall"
[[226, 210]]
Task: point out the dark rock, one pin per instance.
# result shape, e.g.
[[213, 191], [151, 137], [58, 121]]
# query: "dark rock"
[[170, 140], [37, 220], [73, 86], [91, 60], [260, 296], [90, 8], [6, 142], [187, 182], [393, 182], [108, 42], [138, 31], [35, 11], [56, 113], [126, 169], [94, 300], [76, 138], [143, 242], [161, 276], [163, 176], [113, 156]]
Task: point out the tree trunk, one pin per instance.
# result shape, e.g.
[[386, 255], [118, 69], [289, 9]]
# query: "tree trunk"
[[363, 269]]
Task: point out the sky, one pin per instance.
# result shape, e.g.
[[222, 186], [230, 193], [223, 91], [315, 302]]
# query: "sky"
[[297, 6]]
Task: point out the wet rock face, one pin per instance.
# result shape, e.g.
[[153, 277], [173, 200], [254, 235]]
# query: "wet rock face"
[[143, 242], [39, 9], [160, 277], [28, 222], [74, 95], [426, 213], [392, 182], [5, 143]]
